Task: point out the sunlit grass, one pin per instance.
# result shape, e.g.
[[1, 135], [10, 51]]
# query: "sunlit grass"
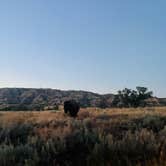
[[128, 136]]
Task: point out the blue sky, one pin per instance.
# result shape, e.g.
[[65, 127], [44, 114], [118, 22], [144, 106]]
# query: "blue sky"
[[94, 45]]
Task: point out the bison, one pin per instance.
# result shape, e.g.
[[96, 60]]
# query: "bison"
[[71, 107]]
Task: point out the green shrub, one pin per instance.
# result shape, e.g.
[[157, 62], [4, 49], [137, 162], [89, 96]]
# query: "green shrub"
[[16, 133]]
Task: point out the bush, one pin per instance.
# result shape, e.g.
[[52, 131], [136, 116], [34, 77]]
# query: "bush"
[[98, 142], [16, 134]]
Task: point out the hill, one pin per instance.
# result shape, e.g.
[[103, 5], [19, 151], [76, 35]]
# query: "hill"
[[34, 99], [27, 98]]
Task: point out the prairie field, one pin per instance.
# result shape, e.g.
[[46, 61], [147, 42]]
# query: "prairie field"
[[96, 137]]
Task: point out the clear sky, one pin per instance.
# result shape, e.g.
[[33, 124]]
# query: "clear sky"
[[96, 45]]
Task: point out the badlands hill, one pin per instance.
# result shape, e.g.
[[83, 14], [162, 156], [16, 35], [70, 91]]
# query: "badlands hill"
[[30, 99]]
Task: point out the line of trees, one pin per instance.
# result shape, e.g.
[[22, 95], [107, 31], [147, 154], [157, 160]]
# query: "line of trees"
[[132, 98]]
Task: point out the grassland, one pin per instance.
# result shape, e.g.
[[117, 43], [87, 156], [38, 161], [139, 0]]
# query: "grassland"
[[97, 137]]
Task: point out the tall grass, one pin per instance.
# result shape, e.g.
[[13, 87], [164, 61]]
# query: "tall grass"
[[94, 138]]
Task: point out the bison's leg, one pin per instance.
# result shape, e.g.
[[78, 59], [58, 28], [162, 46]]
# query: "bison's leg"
[[66, 109], [73, 112]]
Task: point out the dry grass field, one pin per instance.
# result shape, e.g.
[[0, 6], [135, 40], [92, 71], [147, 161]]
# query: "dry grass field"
[[113, 114], [96, 137]]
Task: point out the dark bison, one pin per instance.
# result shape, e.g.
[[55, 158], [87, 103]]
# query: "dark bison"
[[71, 107]]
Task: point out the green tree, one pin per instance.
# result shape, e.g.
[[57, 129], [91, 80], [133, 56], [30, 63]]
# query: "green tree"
[[132, 98]]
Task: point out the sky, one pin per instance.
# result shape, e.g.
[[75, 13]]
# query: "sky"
[[94, 45]]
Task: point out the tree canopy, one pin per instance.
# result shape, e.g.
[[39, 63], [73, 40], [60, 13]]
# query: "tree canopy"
[[132, 98]]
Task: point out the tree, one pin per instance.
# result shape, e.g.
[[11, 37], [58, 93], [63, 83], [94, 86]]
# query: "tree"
[[143, 94], [132, 98]]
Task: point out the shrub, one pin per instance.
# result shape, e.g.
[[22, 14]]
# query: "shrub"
[[90, 141], [15, 134]]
